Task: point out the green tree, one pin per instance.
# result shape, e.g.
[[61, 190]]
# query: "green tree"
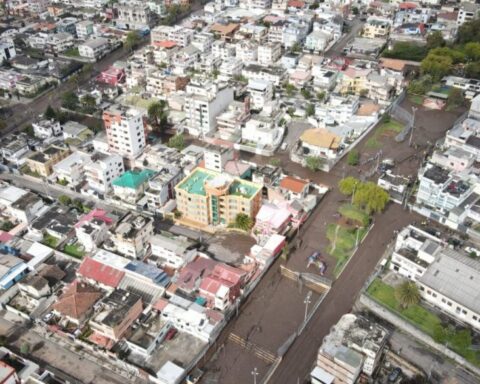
[[468, 32], [297, 47], [310, 110], [370, 197], [421, 85], [243, 222], [177, 142], [406, 51], [132, 41], [407, 294], [436, 66], [456, 55], [24, 348], [64, 200], [275, 162], [215, 73], [314, 163], [348, 185], [50, 113], [70, 100], [290, 89], [353, 157], [455, 98], [472, 70], [158, 115], [321, 95], [89, 103], [306, 93], [29, 130], [355, 10], [435, 40], [472, 51]]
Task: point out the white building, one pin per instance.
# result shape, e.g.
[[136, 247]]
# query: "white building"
[[91, 233], [261, 92], [203, 103], [269, 53], [131, 237], [275, 75], [84, 29], [467, 12], [172, 252], [94, 48], [72, 168], [216, 157], [125, 129], [414, 251], [262, 131], [102, 170], [7, 50], [317, 41], [47, 128], [451, 284]]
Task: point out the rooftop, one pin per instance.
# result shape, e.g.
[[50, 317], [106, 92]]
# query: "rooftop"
[[133, 179]]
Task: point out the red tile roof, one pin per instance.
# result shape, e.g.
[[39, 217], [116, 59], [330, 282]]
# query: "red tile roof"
[[97, 213], [293, 184], [160, 304], [228, 274], [77, 300], [210, 285], [165, 44], [296, 4], [407, 6], [101, 273]]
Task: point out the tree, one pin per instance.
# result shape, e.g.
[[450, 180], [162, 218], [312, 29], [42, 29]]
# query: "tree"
[[297, 47], [24, 348], [436, 66], [275, 162], [348, 185], [215, 73], [64, 200], [435, 40], [456, 55], [243, 222], [290, 89], [177, 142], [50, 113], [321, 95], [421, 85], [158, 115], [469, 31], [310, 110], [407, 294], [306, 93], [70, 100], [472, 51], [314, 163], [406, 51], [29, 130], [132, 41], [353, 157], [370, 197], [455, 98], [355, 11], [89, 103], [472, 70]]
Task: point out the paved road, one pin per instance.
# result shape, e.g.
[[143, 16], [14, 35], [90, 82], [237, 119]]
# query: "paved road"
[[337, 48]]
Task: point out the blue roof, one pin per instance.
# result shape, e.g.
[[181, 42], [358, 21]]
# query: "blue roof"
[[150, 271]]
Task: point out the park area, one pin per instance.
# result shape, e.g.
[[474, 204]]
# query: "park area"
[[437, 326]]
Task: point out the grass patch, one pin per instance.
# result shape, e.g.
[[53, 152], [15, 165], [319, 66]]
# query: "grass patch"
[[74, 250], [353, 213], [390, 127], [459, 341], [342, 243], [415, 99], [72, 52], [50, 241], [139, 102]]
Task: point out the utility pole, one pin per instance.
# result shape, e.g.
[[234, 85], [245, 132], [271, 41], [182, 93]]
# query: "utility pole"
[[307, 301], [255, 374], [414, 109]]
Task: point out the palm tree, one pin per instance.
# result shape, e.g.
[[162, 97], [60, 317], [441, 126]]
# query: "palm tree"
[[243, 222], [157, 114], [407, 294]]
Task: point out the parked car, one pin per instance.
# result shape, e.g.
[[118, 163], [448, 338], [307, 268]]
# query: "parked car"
[[171, 334], [394, 375]]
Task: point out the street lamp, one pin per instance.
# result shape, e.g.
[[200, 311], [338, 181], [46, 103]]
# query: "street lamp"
[[255, 374], [307, 301], [414, 109]]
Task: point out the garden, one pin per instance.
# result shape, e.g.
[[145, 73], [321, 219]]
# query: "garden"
[[388, 127]]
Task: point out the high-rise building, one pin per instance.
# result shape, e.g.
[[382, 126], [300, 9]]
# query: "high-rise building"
[[125, 129]]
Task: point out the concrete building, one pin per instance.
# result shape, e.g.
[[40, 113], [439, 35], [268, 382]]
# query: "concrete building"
[[84, 29], [211, 198], [172, 251], [131, 236], [269, 53], [134, 15], [354, 345], [451, 284], [94, 49], [43, 162], [44, 129], [467, 12], [203, 103], [161, 188], [261, 92], [71, 170], [216, 157], [125, 129], [376, 28], [131, 186], [102, 170], [7, 50]]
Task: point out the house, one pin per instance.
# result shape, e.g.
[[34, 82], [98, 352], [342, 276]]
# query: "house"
[[317, 41], [294, 188], [396, 185], [115, 315], [99, 274], [467, 12], [71, 169], [76, 303], [111, 76], [131, 236], [92, 229], [160, 188], [354, 345], [34, 286], [216, 157], [320, 142], [134, 15], [131, 185], [84, 29], [12, 269], [172, 251], [94, 49], [262, 130], [102, 170], [376, 28], [47, 128], [275, 75], [269, 53], [42, 162], [271, 219], [26, 208]]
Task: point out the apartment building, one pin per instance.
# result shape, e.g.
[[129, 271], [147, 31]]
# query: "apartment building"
[[467, 12], [261, 92], [354, 345], [160, 188], [215, 157], [47, 128], [134, 15], [94, 49], [376, 27], [84, 29], [173, 252], [72, 169], [43, 162], [125, 128], [275, 75], [181, 36], [103, 169], [210, 198], [203, 103], [131, 236], [247, 51], [269, 53]]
